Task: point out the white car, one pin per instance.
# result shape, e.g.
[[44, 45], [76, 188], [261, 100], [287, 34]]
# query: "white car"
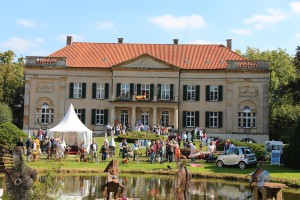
[[241, 156]]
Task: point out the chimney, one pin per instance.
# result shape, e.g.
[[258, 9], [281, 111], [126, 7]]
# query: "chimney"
[[120, 40], [175, 41], [69, 40], [229, 43]]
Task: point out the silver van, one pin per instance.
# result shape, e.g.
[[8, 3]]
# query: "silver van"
[[241, 156]]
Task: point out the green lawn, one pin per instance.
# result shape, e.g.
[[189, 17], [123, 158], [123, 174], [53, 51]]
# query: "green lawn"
[[70, 165]]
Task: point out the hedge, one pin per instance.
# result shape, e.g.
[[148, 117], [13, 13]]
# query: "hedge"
[[10, 134]]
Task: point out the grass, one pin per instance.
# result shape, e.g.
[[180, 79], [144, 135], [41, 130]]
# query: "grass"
[[206, 170]]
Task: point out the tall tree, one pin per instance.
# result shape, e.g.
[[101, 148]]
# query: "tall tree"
[[282, 73], [12, 85]]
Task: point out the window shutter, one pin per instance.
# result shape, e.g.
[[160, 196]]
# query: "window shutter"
[[71, 94], [105, 116], [93, 116], [207, 118], [197, 118], [171, 92], [220, 119], [151, 91], [118, 89], [220, 93], [94, 89], [83, 116], [131, 89], [106, 90], [83, 90], [184, 93], [139, 89], [184, 119], [158, 91], [197, 92], [207, 93]]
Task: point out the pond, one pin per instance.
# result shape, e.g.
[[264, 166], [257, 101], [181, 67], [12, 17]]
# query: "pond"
[[151, 187]]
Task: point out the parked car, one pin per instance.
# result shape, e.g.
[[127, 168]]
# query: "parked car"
[[240, 156]]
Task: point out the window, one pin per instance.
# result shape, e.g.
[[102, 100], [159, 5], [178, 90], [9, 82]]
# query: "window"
[[124, 117], [165, 119], [247, 118], [80, 114], [191, 93], [190, 119], [45, 114], [77, 90], [100, 91], [214, 93], [145, 118], [145, 89], [125, 91], [99, 116], [165, 92], [213, 119]]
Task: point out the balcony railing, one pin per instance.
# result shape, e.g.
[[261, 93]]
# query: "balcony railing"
[[247, 65], [35, 61]]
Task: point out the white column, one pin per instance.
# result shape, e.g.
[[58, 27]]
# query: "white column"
[[133, 117], [112, 114], [176, 118], [154, 116]]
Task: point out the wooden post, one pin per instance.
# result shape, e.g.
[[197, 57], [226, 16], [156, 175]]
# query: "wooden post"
[[269, 191]]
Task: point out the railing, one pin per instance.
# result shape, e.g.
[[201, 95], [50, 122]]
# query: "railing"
[[35, 61], [247, 65]]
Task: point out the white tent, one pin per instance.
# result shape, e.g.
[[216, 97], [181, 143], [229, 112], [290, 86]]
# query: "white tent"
[[71, 130]]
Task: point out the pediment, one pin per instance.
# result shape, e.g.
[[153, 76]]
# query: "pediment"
[[145, 61]]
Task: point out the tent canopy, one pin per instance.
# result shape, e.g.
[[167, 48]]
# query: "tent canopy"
[[71, 130]]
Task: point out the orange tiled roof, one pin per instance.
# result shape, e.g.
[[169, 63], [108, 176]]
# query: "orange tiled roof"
[[185, 56]]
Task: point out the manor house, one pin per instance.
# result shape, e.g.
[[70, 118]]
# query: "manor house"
[[184, 85]]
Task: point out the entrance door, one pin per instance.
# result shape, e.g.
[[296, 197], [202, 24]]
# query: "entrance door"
[[124, 117], [165, 118], [145, 119]]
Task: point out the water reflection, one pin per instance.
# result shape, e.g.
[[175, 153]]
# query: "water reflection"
[[150, 187]]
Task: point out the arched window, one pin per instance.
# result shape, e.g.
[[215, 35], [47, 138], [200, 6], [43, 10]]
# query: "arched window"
[[44, 114], [247, 117]]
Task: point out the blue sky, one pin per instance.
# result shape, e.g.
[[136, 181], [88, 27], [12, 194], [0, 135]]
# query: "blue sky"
[[40, 27]]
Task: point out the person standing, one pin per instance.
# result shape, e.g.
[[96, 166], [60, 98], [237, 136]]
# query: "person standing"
[[103, 151], [124, 148], [21, 145], [136, 150], [28, 148], [211, 150], [93, 149]]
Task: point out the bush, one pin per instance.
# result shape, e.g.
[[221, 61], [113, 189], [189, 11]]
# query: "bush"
[[258, 149], [290, 155], [5, 113], [139, 135], [10, 134]]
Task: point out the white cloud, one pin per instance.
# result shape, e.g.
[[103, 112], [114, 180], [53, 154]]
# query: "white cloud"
[[104, 25], [170, 22], [199, 41], [295, 7], [241, 31], [275, 16], [63, 37], [19, 44], [298, 35], [26, 23], [39, 40]]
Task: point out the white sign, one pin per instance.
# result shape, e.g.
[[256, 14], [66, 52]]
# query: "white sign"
[[275, 157]]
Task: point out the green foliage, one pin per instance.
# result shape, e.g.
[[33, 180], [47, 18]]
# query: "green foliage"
[[258, 149], [5, 113], [285, 120], [44, 189], [138, 135], [12, 85], [290, 155], [10, 134]]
